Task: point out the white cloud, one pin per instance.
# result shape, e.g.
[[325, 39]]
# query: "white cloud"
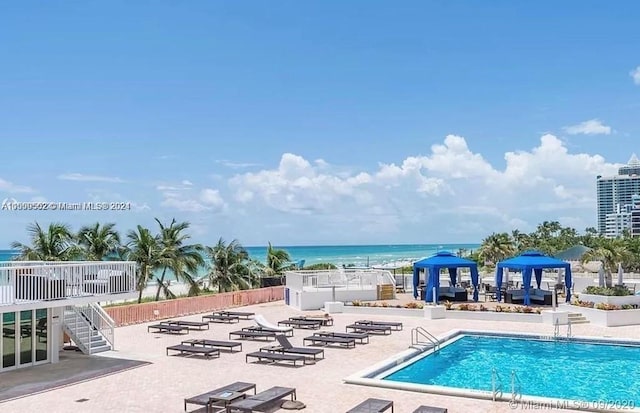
[[6, 186], [184, 198], [589, 127], [451, 190], [635, 75], [236, 165], [187, 183], [88, 178]]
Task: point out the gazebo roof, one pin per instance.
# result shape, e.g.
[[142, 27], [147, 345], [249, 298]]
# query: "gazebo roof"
[[444, 259], [533, 259]]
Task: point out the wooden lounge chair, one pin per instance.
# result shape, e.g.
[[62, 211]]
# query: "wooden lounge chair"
[[207, 352], [221, 318], [300, 324], [286, 332], [166, 328], [191, 325], [275, 357], [220, 345], [253, 335], [242, 314], [395, 325], [372, 406], [430, 409], [362, 337], [368, 328], [326, 341], [204, 399], [287, 347], [262, 401]]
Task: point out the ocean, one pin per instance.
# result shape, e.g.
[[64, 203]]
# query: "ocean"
[[358, 255]]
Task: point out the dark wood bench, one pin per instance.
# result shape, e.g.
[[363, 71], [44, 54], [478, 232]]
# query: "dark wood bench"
[[366, 328], [207, 352], [241, 314], [167, 328], [191, 325], [362, 337], [430, 409], [220, 345], [253, 335], [372, 406], [326, 341], [300, 324], [221, 318], [275, 357], [288, 333], [395, 325]]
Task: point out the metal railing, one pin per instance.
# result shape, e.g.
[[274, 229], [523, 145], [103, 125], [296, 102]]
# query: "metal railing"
[[556, 330], [496, 385], [418, 332], [81, 322], [24, 281], [516, 387], [569, 334], [348, 279]]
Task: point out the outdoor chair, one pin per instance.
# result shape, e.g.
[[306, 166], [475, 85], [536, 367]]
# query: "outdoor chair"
[[287, 347], [372, 406], [262, 400], [430, 409], [204, 399]]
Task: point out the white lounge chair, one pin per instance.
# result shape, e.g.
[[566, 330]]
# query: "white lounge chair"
[[262, 322]]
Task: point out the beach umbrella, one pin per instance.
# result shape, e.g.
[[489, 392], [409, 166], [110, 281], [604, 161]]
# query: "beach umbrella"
[[601, 276], [620, 275]]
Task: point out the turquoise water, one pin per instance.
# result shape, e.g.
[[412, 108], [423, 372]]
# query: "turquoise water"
[[555, 369], [7, 255]]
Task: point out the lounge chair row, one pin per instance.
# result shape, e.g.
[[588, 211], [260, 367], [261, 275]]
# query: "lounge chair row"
[[234, 398], [206, 348], [380, 405]]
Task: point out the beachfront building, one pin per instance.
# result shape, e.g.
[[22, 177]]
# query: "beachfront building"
[[40, 302], [617, 190], [619, 222], [310, 290], [635, 216]]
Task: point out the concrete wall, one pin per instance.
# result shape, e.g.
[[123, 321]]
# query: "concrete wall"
[[142, 313], [613, 318], [314, 300]]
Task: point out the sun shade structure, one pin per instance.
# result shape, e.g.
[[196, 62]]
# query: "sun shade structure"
[[532, 261], [433, 265]]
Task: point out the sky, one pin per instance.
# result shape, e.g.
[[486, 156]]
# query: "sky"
[[317, 122]]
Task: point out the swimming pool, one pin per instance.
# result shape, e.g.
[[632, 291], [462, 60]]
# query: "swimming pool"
[[605, 375]]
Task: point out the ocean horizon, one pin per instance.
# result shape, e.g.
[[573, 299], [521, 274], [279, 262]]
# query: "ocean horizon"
[[357, 255]]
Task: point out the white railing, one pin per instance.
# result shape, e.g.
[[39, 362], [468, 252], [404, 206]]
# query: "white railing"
[[81, 322], [496, 385], [344, 279], [516, 387], [418, 332], [23, 282]]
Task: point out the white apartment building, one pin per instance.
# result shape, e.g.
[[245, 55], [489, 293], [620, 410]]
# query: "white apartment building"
[[617, 190]]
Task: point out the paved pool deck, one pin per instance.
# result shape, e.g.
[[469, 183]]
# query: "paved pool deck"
[[164, 383]]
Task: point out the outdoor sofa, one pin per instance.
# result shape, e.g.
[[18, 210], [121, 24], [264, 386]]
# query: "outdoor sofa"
[[452, 294], [536, 295]]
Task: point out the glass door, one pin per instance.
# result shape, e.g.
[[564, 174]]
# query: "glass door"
[[26, 337], [41, 336], [8, 345]]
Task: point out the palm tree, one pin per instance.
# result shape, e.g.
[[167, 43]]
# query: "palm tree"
[[496, 247], [231, 269], [54, 244], [143, 248], [182, 259], [278, 260], [99, 241], [610, 253]]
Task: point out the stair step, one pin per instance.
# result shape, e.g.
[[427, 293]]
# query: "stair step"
[[100, 349]]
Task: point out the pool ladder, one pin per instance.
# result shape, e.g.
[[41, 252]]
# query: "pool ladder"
[[556, 331], [418, 333], [496, 386]]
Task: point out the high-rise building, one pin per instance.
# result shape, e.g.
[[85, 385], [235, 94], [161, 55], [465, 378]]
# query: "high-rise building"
[[617, 223], [615, 192], [635, 216]]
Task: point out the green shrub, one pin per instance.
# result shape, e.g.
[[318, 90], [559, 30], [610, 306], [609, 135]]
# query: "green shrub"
[[608, 291]]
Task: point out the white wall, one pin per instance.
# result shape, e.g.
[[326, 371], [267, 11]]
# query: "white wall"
[[314, 300]]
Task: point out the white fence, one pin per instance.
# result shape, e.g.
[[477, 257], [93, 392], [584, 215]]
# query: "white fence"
[[344, 279], [29, 281]]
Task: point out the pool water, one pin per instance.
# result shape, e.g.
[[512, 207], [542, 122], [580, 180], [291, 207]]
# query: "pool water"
[[546, 368]]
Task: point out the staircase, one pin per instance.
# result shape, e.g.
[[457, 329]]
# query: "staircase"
[[577, 318], [89, 327]]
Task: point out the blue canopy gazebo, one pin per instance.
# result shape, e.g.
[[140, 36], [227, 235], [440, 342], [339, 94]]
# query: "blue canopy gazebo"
[[528, 262], [433, 265]]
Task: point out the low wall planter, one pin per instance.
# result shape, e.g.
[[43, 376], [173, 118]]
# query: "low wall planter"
[[389, 311], [610, 299], [494, 316], [609, 318]]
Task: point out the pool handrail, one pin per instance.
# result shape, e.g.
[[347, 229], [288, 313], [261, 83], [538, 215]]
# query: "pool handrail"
[[421, 331], [496, 385], [516, 387]]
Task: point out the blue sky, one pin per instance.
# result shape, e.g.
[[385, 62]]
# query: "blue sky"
[[315, 122]]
